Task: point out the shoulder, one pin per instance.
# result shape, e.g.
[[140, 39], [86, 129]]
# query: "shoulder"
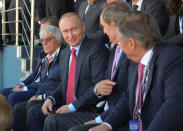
[[170, 54], [154, 3], [92, 44]]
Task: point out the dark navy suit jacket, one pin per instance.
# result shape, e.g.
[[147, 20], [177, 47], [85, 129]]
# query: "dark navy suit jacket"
[[48, 82], [162, 109], [91, 65], [120, 76]]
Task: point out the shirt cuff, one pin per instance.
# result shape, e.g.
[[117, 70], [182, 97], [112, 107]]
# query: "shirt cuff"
[[108, 125], [21, 83], [95, 92], [53, 99], [25, 88], [98, 120], [72, 108]]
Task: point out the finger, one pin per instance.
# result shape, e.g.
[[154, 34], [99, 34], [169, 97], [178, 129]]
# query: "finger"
[[50, 107], [45, 110], [109, 82], [106, 92], [59, 110], [14, 89]]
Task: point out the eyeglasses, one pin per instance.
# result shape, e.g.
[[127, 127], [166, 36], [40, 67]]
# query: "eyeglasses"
[[47, 40]]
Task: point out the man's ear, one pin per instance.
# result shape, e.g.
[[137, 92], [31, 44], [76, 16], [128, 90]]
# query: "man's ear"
[[112, 23], [132, 44]]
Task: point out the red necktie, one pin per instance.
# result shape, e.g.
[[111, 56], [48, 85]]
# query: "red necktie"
[[71, 79], [138, 105], [49, 59]]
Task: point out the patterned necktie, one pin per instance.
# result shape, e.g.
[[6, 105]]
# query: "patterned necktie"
[[138, 105], [71, 79], [49, 59], [115, 59]]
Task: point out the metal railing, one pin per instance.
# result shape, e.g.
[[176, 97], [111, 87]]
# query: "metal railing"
[[17, 21]]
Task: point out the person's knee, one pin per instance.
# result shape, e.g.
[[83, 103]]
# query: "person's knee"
[[12, 98], [50, 121], [6, 92]]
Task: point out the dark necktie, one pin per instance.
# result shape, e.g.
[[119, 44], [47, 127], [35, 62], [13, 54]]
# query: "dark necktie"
[[71, 79], [135, 7], [138, 105]]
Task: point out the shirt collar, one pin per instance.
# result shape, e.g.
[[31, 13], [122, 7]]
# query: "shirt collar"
[[147, 57], [77, 47], [139, 4]]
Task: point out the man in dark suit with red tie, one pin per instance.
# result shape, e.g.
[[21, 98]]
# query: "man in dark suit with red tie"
[[84, 62], [115, 80], [153, 99]]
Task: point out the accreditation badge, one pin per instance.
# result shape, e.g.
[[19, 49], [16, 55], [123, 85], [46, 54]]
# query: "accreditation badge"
[[134, 125]]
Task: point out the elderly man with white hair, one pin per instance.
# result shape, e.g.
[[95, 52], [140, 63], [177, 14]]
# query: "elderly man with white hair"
[[48, 75]]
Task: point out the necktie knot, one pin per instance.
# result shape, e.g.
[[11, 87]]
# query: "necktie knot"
[[73, 51], [50, 58]]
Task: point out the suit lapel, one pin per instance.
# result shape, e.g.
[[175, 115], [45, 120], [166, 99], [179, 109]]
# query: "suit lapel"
[[149, 80], [65, 66], [143, 7], [81, 55], [91, 8], [132, 84], [150, 74], [116, 70], [85, 4]]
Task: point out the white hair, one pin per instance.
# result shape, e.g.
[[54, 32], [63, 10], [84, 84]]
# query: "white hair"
[[52, 30]]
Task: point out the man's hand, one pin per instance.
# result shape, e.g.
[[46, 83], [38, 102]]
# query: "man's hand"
[[63, 109], [105, 87], [90, 122], [47, 107], [18, 88], [33, 98], [101, 127]]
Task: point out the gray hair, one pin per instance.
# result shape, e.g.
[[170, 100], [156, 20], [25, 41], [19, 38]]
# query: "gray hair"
[[141, 27], [115, 11], [52, 30]]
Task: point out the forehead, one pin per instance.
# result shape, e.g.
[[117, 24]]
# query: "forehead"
[[69, 22], [46, 35]]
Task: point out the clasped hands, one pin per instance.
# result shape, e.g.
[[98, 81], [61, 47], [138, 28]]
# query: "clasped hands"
[[47, 108]]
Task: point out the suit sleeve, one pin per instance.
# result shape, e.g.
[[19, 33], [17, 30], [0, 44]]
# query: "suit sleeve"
[[31, 77], [98, 65], [175, 40], [170, 113], [119, 114]]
